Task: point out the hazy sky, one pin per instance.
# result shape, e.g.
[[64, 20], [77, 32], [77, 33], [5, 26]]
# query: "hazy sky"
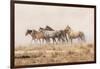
[[35, 16]]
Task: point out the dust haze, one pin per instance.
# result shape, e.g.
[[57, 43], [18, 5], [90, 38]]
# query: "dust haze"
[[35, 16]]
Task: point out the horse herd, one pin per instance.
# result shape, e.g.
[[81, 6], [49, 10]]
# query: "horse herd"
[[47, 34]]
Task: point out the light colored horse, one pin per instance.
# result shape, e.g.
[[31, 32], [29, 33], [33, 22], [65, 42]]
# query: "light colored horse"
[[63, 34], [48, 34], [74, 34], [35, 35], [51, 34]]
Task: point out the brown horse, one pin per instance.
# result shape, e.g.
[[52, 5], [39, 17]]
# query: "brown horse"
[[74, 34], [35, 35]]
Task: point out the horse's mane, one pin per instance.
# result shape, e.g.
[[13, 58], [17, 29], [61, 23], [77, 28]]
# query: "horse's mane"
[[49, 28], [29, 30], [41, 28], [35, 31]]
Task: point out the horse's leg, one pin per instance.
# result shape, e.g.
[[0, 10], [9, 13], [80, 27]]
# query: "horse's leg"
[[63, 38], [40, 41], [35, 41], [31, 41], [47, 40], [59, 39], [78, 39], [66, 38], [83, 38], [71, 40], [54, 40]]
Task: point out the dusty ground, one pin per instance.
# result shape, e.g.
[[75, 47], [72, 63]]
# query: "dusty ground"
[[53, 53]]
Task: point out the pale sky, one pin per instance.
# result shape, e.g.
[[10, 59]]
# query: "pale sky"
[[35, 16]]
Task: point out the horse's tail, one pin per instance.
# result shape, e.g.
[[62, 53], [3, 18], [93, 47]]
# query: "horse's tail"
[[82, 36]]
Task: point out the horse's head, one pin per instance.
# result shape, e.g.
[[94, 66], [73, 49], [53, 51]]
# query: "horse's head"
[[34, 31], [49, 28], [67, 29], [28, 32], [41, 29]]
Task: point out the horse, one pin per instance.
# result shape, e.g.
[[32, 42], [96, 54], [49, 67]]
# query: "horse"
[[74, 34], [35, 35], [30, 33], [49, 28], [63, 33], [52, 34]]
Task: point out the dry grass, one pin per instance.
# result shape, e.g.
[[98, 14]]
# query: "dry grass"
[[58, 53]]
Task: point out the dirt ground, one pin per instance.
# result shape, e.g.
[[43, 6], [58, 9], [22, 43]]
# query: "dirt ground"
[[53, 53]]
